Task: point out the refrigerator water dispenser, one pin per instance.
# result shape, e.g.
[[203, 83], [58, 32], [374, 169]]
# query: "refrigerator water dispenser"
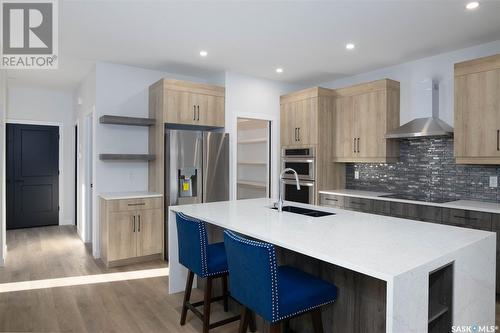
[[187, 182]]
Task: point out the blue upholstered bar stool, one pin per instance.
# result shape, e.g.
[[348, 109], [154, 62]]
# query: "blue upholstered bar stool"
[[208, 261], [274, 292]]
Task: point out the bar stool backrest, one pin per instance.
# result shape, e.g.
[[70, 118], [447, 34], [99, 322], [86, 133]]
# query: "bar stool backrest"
[[192, 243], [253, 274]]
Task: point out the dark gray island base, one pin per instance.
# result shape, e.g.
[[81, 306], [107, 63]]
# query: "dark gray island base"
[[361, 302], [393, 275]]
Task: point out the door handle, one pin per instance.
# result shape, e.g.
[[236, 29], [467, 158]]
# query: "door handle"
[[295, 134], [194, 112], [358, 145], [498, 140], [134, 223], [354, 145], [139, 217], [298, 133], [198, 113]]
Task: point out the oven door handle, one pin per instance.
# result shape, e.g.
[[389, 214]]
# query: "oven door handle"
[[298, 160], [301, 183]]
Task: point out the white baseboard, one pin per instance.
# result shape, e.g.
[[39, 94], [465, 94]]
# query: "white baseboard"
[[66, 222], [4, 256]]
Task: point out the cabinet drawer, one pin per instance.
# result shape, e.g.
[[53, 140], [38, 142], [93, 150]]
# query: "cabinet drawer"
[[358, 204], [134, 204], [417, 212], [330, 200], [381, 207], [467, 218]]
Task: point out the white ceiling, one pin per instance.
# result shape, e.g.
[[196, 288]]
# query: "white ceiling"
[[306, 38]]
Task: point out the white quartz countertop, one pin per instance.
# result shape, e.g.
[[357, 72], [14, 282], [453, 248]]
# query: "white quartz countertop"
[[487, 207], [129, 195], [379, 246]]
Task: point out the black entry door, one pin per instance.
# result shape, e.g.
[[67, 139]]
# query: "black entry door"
[[32, 176]]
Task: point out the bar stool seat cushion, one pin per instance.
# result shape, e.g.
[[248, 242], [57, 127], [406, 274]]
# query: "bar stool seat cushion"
[[300, 292], [216, 259]]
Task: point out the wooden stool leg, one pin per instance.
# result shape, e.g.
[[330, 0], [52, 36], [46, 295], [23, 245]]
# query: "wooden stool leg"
[[275, 328], [206, 305], [187, 297], [225, 293], [252, 322], [316, 320], [245, 313]]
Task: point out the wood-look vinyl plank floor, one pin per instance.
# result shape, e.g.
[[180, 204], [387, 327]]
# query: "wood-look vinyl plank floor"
[[141, 305]]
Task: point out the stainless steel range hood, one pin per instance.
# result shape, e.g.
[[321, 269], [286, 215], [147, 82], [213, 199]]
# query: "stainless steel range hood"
[[428, 126], [421, 127]]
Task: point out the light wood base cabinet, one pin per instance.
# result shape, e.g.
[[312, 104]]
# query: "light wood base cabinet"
[[131, 230]]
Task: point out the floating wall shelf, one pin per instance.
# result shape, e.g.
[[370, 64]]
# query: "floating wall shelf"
[[131, 121], [127, 157]]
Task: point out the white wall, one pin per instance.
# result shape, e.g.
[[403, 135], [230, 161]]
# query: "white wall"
[[3, 104], [84, 104], [33, 104], [121, 90], [439, 67], [251, 97]]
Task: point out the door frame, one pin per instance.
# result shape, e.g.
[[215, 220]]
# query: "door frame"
[[61, 149], [274, 147]]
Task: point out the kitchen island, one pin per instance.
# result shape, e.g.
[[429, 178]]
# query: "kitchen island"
[[398, 254]]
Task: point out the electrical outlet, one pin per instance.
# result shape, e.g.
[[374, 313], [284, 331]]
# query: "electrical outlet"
[[493, 181], [356, 174]]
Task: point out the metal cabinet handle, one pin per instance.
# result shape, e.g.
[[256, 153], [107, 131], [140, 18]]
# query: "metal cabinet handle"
[[139, 217], [466, 218], [137, 204], [498, 140], [358, 145], [134, 223], [194, 112], [354, 146], [298, 133], [198, 113], [358, 203], [296, 138], [328, 199]]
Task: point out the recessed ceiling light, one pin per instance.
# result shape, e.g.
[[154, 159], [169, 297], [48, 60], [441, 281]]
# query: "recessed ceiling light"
[[279, 70], [472, 5], [350, 46], [203, 53]]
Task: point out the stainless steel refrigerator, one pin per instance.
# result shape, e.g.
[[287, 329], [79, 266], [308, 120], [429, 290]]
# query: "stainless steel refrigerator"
[[196, 168]]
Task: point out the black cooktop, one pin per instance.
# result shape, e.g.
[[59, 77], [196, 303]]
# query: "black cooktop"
[[424, 198]]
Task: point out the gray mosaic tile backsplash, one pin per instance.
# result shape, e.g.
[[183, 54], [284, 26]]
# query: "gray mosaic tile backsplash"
[[426, 167]]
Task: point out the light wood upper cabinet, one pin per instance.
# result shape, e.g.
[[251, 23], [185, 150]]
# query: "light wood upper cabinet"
[[299, 119], [343, 128], [212, 111], [306, 120], [288, 129], [363, 115], [477, 111], [188, 103]]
